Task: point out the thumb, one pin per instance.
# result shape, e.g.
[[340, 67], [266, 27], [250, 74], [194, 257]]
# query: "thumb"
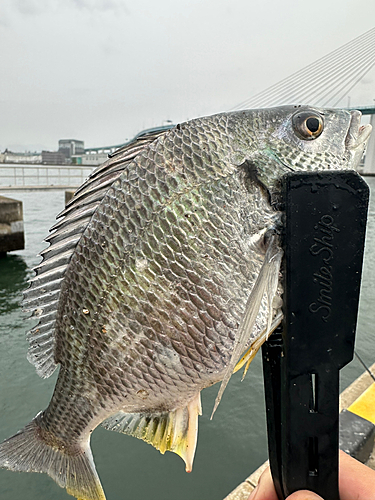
[[304, 495]]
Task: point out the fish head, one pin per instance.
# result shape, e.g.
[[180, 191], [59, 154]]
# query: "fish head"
[[298, 138]]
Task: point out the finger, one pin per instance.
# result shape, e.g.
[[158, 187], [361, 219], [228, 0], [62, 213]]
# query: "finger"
[[265, 489], [304, 495], [356, 481]]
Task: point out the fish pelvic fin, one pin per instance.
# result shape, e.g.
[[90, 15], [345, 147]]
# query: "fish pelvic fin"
[[33, 449], [254, 348], [175, 431], [266, 283]]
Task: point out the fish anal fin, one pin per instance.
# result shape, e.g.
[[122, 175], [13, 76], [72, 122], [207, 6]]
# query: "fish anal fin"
[[175, 430]]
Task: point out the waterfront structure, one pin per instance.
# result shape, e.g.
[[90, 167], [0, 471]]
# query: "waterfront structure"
[[11, 225], [40, 177]]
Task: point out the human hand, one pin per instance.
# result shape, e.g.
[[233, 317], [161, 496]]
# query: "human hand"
[[356, 482]]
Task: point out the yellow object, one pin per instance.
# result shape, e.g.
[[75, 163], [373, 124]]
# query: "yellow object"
[[175, 430], [364, 406], [255, 346]]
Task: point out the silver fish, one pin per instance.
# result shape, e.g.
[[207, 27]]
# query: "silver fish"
[[161, 272]]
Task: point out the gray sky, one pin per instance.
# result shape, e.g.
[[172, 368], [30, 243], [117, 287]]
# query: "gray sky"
[[102, 70]]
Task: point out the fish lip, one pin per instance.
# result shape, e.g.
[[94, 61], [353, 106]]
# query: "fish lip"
[[357, 135]]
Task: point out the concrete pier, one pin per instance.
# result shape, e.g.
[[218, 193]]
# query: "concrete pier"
[[11, 226]]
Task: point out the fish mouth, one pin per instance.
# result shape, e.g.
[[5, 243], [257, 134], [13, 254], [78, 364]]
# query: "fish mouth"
[[358, 134]]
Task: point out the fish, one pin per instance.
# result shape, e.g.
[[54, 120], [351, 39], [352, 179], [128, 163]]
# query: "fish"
[[161, 272]]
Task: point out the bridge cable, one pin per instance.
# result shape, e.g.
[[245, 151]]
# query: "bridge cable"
[[337, 55], [343, 75], [320, 75], [313, 70], [320, 69], [314, 95]]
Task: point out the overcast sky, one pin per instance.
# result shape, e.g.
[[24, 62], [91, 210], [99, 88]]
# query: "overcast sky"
[[102, 70]]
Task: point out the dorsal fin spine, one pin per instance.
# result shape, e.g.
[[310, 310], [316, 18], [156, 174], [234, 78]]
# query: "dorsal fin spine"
[[44, 292]]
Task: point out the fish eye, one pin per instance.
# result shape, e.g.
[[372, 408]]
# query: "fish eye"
[[308, 125]]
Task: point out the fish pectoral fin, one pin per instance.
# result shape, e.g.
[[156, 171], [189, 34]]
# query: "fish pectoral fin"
[[175, 431], [266, 283], [254, 348]]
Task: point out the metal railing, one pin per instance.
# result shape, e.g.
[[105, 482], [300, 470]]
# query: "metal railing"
[[42, 176]]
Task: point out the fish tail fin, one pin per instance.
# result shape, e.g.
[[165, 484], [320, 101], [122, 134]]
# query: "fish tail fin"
[[34, 450]]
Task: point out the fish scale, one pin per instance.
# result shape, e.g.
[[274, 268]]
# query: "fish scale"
[[161, 271], [169, 226]]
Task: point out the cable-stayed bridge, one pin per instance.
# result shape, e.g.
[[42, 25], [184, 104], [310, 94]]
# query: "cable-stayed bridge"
[[325, 82]]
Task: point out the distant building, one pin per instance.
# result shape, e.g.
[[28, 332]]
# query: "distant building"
[[70, 147], [10, 157], [53, 158], [90, 158]]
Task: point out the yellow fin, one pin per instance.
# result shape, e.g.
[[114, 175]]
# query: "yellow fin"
[[254, 348], [175, 431]]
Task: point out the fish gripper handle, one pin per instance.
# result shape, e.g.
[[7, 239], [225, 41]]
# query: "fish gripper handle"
[[324, 235]]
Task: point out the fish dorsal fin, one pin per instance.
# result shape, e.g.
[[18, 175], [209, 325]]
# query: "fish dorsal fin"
[[42, 297], [175, 431]]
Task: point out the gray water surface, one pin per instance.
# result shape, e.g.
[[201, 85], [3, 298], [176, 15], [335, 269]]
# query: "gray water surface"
[[229, 448]]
